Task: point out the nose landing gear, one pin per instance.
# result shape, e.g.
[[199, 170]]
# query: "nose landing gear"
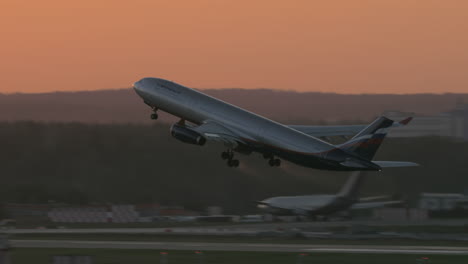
[[154, 115]]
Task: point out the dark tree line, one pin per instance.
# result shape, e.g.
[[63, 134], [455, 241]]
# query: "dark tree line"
[[85, 163]]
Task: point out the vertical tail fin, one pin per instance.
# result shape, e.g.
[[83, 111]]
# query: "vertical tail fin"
[[351, 188], [367, 142]]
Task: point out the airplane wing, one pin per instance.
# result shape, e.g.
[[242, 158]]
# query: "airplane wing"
[[330, 131], [220, 133], [369, 205]]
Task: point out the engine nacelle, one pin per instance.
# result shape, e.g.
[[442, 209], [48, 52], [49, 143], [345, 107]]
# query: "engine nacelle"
[[187, 135]]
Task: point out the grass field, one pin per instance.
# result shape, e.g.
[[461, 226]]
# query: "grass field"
[[104, 256], [236, 239]]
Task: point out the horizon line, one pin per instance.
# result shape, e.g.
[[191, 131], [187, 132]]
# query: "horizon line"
[[231, 88]]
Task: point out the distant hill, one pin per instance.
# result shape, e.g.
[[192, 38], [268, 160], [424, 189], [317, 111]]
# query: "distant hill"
[[124, 106]]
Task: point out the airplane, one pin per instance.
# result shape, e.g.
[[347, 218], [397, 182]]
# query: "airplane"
[[204, 118], [323, 205]]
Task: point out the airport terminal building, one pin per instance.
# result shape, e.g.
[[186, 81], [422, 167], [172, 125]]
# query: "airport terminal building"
[[453, 123]]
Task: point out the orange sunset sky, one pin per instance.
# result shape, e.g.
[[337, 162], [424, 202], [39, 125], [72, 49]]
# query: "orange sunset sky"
[[348, 46]]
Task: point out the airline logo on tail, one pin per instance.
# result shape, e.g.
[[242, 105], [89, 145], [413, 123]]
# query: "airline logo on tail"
[[367, 142]]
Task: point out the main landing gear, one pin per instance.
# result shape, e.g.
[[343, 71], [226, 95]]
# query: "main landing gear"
[[154, 115], [271, 160], [229, 156], [274, 162]]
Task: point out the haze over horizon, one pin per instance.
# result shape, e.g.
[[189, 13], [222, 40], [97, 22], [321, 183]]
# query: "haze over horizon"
[[230, 88], [123, 106], [338, 46]]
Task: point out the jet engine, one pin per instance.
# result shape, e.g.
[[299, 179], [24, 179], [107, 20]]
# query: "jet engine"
[[187, 135]]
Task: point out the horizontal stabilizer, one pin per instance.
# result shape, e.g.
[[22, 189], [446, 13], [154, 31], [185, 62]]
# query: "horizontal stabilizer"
[[395, 164]]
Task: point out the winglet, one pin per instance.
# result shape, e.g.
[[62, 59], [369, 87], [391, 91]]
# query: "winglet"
[[405, 121]]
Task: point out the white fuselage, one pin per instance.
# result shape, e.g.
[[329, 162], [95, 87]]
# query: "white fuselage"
[[262, 134]]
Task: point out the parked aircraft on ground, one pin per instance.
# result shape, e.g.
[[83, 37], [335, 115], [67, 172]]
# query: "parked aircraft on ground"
[[323, 205], [206, 118]]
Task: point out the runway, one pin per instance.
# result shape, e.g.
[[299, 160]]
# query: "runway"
[[146, 231], [429, 250], [240, 229]]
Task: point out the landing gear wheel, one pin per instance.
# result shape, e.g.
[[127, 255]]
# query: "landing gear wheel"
[[277, 162], [154, 115], [233, 163], [274, 162], [271, 162], [227, 155]]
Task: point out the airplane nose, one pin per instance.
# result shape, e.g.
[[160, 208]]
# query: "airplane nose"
[[135, 85], [138, 87]]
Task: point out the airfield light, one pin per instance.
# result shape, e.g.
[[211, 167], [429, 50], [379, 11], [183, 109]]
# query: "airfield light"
[[164, 258], [422, 260]]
